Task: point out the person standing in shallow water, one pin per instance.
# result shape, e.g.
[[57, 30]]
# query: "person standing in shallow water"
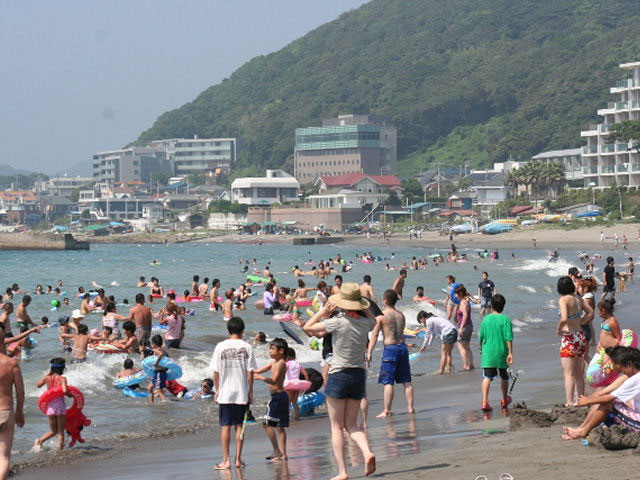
[[395, 357], [347, 316], [574, 312]]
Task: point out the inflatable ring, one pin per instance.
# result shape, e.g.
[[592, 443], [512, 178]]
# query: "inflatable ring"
[[134, 379], [130, 392], [297, 385], [284, 317], [55, 392], [156, 295], [452, 295], [304, 302], [427, 299], [106, 348], [173, 369]]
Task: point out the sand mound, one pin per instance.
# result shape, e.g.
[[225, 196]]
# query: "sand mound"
[[615, 437], [523, 417], [569, 415]]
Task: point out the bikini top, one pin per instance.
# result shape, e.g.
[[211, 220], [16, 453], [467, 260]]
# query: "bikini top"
[[605, 326]]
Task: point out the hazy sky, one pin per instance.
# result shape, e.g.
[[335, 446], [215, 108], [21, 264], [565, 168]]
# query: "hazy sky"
[[82, 76]]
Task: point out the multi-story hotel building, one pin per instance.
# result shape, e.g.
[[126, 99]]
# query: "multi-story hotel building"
[[206, 156], [347, 144], [606, 163]]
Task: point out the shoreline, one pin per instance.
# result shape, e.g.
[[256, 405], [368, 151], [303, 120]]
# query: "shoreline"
[[547, 236]]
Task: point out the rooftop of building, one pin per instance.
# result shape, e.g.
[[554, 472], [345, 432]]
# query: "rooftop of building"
[[569, 152], [349, 179]]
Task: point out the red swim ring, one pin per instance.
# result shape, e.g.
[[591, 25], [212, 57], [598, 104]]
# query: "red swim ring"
[[55, 392]]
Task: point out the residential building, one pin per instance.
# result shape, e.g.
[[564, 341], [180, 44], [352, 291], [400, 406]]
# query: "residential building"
[[130, 164], [347, 144], [490, 190], [347, 198], [65, 186], [461, 200], [207, 156], [359, 182], [571, 159], [605, 163], [19, 207], [277, 187]]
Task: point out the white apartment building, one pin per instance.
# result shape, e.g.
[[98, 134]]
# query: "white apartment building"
[[129, 164], [64, 186], [605, 163], [276, 187], [206, 156]]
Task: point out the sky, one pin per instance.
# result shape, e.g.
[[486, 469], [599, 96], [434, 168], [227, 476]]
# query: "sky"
[[81, 76]]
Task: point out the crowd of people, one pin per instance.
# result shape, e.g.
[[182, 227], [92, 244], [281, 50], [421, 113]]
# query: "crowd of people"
[[345, 320]]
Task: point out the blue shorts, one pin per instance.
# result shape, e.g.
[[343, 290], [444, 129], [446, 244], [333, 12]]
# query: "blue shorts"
[[395, 365], [278, 410], [230, 414], [160, 379], [485, 302], [347, 383]]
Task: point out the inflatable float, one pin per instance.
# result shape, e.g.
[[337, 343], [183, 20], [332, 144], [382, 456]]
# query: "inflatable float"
[[308, 401], [191, 299], [105, 348], [426, 299], [297, 385], [76, 420], [256, 279], [283, 317], [192, 393], [131, 380], [130, 392], [173, 369], [600, 372]]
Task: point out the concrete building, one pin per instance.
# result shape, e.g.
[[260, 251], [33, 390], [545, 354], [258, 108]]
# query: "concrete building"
[[130, 164], [335, 218], [347, 144], [206, 156], [571, 159], [65, 186], [607, 163], [277, 187]]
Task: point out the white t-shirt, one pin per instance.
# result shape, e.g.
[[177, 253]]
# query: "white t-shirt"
[[436, 326], [232, 359], [629, 392]]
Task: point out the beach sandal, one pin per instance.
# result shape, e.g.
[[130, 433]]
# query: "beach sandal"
[[486, 407], [505, 403]]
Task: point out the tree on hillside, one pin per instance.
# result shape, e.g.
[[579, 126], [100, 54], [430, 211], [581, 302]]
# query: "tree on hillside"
[[412, 190], [628, 131]]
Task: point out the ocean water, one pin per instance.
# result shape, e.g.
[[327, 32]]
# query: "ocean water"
[[527, 282]]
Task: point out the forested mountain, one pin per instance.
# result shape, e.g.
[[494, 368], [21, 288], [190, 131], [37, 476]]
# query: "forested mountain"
[[463, 80]]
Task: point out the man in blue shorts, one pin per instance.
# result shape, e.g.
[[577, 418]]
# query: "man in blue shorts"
[[395, 357]]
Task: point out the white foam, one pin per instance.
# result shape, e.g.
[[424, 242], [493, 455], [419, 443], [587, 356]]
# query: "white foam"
[[526, 288], [528, 318], [555, 269]]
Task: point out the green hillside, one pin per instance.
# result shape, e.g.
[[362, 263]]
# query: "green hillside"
[[463, 80]]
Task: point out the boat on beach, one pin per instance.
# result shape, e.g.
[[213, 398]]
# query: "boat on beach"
[[494, 228]]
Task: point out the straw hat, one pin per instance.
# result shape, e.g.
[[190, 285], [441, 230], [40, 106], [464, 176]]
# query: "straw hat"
[[349, 298]]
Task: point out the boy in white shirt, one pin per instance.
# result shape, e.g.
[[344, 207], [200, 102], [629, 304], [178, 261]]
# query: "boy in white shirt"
[[233, 366]]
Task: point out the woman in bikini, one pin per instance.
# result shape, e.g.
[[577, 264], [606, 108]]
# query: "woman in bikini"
[[574, 312]]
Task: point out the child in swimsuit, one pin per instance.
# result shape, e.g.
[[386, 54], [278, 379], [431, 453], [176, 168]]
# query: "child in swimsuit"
[[294, 370], [56, 408]]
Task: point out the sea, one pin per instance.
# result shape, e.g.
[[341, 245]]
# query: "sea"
[[524, 276]]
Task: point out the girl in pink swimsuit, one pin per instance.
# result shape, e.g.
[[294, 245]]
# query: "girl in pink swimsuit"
[[56, 408]]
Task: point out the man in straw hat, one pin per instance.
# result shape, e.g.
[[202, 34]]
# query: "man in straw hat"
[[346, 315]]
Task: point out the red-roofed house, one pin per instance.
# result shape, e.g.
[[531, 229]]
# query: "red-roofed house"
[[359, 182], [19, 206]]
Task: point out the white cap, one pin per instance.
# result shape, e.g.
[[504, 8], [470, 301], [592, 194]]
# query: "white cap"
[[77, 314]]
